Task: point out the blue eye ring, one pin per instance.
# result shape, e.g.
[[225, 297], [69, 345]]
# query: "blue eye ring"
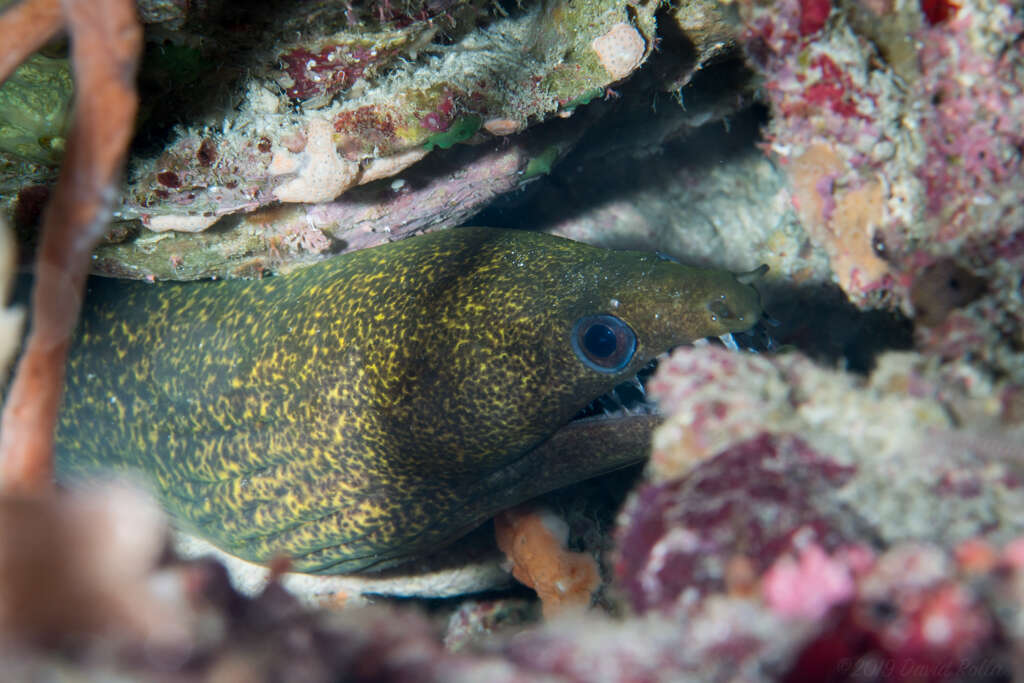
[[603, 342]]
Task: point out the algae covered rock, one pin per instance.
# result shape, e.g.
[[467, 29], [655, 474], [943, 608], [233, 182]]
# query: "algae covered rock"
[[266, 123], [34, 104], [349, 102]]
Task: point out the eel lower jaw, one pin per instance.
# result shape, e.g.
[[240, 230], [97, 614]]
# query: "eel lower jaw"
[[630, 397]]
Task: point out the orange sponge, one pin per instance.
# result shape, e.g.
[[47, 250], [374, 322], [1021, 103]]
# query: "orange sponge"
[[533, 539]]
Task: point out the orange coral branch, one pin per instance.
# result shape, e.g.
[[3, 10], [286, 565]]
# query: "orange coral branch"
[[25, 27], [106, 39], [562, 578]]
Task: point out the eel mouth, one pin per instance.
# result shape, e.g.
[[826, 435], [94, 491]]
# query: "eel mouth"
[[630, 397]]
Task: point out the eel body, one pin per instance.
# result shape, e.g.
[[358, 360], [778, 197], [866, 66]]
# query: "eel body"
[[375, 406]]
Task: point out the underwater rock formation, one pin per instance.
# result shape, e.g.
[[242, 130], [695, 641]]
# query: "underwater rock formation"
[[304, 109], [899, 126]]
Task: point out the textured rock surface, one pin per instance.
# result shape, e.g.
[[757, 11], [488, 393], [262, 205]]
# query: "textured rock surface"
[[913, 434], [307, 108], [897, 125]]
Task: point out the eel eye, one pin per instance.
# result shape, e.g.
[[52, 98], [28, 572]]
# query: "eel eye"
[[603, 342]]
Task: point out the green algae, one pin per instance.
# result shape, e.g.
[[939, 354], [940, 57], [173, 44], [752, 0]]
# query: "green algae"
[[584, 99], [542, 163], [463, 129], [34, 106]]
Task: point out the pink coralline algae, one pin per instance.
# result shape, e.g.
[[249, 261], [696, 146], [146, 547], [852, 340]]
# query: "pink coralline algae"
[[833, 90], [676, 539], [767, 520], [973, 134], [855, 512], [913, 619], [847, 609], [834, 130], [807, 585], [898, 156], [884, 451]]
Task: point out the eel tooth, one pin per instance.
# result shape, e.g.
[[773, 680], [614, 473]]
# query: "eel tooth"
[[729, 342]]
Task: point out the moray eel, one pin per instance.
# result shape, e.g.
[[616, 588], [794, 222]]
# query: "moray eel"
[[370, 408]]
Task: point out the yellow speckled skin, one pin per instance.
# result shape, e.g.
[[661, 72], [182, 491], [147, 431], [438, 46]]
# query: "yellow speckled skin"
[[374, 406]]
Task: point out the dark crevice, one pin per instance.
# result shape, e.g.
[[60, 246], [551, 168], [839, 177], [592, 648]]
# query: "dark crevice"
[[819, 321]]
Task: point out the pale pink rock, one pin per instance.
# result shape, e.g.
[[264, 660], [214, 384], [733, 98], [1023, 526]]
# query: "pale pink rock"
[[389, 166], [178, 222], [620, 51], [322, 173], [807, 586], [501, 127]]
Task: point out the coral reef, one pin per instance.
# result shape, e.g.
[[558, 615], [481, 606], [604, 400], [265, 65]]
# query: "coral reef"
[[796, 521], [900, 158], [348, 107], [912, 612], [838, 128], [280, 237], [683, 539], [819, 492], [306, 116], [869, 511], [899, 439]]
